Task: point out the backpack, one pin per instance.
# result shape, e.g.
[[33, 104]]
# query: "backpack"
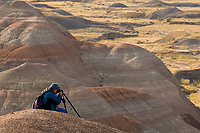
[[38, 102]]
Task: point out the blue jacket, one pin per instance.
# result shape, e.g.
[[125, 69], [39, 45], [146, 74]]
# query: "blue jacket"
[[50, 99]]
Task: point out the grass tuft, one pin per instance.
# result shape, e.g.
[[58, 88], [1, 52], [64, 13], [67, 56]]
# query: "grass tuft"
[[185, 81]]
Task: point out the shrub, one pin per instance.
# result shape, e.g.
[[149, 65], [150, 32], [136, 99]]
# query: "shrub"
[[186, 92], [189, 89], [108, 11], [139, 42], [133, 15], [196, 83], [2, 28], [185, 81], [195, 98], [172, 47], [193, 89]]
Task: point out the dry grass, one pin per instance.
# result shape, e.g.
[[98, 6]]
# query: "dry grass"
[[185, 81], [195, 98], [191, 89]]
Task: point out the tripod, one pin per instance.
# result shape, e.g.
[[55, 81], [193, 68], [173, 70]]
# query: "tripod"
[[63, 99]]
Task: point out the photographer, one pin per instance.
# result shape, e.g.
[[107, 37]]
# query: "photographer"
[[52, 97]]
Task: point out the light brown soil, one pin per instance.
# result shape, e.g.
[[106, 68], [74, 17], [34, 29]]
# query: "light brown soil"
[[48, 121]]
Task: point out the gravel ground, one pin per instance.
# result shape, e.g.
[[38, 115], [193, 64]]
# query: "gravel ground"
[[48, 121]]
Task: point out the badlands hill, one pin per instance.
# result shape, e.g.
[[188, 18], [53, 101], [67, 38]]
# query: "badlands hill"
[[48, 121], [143, 96], [66, 19], [173, 36], [36, 51], [185, 4], [189, 74], [190, 42], [170, 12], [157, 3], [154, 3], [73, 22], [118, 5]]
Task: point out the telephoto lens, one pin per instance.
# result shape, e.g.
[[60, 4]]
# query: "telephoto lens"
[[60, 91]]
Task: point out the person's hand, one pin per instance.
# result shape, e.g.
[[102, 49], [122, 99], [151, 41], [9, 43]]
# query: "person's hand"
[[61, 93]]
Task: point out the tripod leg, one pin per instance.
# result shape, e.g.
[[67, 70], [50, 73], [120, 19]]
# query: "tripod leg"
[[64, 104], [71, 105]]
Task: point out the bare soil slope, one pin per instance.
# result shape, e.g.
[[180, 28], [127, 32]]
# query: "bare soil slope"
[[49, 121], [173, 36], [188, 74], [118, 5], [154, 3], [190, 42], [73, 22], [35, 51], [170, 12], [127, 110], [137, 69], [68, 22]]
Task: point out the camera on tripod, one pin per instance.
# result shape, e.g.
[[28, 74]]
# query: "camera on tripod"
[[60, 91], [63, 99]]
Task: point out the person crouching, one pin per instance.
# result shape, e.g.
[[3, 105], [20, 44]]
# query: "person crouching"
[[52, 98]]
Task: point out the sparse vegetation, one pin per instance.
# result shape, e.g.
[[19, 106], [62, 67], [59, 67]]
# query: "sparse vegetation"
[[108, 11], [2, 28], [133, 15], [1, 46], [191, 90], [173, 47], [187, 89], [195, 98], [196, 83], [185, 82]]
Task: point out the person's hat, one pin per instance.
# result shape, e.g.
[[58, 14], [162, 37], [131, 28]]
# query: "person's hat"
[[54, 86]]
